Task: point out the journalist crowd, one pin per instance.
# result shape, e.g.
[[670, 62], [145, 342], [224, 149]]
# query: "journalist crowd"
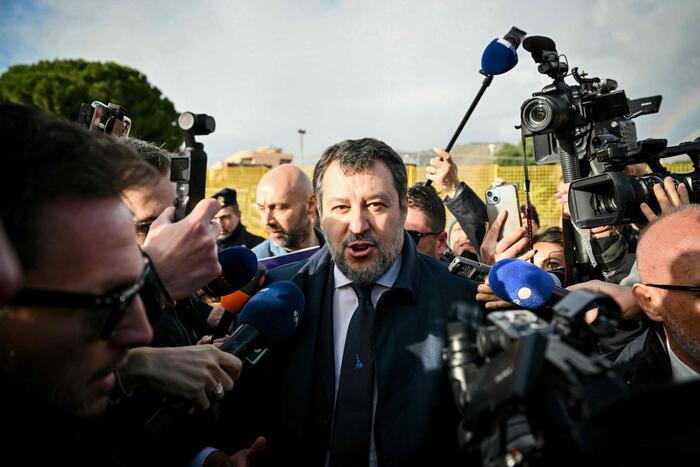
[[115, 347]]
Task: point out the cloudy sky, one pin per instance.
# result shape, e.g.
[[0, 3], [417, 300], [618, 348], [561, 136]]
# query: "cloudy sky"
[[401, 71]]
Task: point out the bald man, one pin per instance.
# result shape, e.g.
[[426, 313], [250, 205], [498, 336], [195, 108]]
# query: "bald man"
[[287, 204], [668, 255]]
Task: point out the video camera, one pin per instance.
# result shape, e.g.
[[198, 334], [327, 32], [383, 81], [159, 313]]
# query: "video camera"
[[189, 169], [589, 129], [528, 388], [110, 119]]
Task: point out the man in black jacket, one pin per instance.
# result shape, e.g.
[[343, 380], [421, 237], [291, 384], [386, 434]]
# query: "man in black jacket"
[[233, 232], [332, 394]]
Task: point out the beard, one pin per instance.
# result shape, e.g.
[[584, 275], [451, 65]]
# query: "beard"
[[683, 338], [297, 233], [367, 273]]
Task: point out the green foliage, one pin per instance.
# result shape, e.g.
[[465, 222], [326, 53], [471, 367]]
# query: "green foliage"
[[60, 86], [511, 154]]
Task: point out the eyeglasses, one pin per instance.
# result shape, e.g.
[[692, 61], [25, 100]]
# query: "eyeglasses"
[[684, 288], [142, 228], [116, 301], [416, 236]]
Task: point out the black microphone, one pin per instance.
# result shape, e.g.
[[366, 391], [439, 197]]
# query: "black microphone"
[[238, 266]]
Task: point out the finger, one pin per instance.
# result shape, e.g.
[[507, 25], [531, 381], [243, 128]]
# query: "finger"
[[166, 217], [442, 153], [511, 239], [671, 191], [484, 288], [495, 228], [528, 255], [231, 364], [648, 213], [204, 211], [661, 198], [202, 400], [683, 194], [258, 447], [515, 250], [497, 305], [225, 380]]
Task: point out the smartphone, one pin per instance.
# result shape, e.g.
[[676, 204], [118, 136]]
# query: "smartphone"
[[470, 269], [504, 198]]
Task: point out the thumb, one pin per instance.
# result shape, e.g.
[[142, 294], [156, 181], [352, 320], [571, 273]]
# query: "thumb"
[[204, 211], [258, 448], [166, 217]]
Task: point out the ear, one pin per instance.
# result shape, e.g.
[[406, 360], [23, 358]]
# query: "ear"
[[442, 241], [648, 301], [312, 205]]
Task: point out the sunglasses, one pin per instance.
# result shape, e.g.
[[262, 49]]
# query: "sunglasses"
[[416, 236], [116, 302]]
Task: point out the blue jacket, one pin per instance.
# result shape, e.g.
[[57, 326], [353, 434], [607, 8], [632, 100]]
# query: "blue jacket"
[[292, 389]]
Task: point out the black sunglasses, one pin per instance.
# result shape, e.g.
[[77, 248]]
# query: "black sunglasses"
[[684, 288], [116, 301], [416, 236]]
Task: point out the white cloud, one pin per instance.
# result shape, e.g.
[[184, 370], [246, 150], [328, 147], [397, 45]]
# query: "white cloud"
[[400, 71]]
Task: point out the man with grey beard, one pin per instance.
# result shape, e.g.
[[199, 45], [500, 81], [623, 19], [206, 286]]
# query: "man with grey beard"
[[361, 382], [286, 203], [668, 255]]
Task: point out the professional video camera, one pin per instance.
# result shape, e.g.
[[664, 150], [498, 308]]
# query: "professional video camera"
[[110, 119], [528, 388], [589, 128]]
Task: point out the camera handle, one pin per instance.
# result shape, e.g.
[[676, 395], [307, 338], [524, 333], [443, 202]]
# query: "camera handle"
[[485, 84]]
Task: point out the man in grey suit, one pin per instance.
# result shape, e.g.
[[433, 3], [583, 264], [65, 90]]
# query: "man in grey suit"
[[361, 382]]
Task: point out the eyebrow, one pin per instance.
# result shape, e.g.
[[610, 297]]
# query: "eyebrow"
[[381, 196]]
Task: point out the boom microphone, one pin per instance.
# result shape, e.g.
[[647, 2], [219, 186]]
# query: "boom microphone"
[[524, 284], [501, 54], [238, 267], [234, 303]]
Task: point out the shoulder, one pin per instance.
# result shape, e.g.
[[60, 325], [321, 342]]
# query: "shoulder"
[[436, 272], [262, 250]]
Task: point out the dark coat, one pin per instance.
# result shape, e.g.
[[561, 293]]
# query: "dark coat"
[[470, 212], [292, 391], [644, 362], [240, 237]]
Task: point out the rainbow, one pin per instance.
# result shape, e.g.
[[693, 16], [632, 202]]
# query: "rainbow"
[[670, 121]]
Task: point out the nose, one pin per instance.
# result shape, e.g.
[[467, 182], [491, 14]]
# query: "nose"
[[133, 329], [358, 220], [268, 216]]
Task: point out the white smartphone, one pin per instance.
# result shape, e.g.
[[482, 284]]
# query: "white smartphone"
[[504, 198]]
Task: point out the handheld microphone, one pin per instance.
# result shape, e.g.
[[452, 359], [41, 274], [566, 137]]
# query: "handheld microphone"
[[238, 267], [233, 303], [524, 284], [501, 54], [269, 317]]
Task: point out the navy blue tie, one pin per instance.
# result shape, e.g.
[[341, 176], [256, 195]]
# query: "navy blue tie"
[[353, 408]]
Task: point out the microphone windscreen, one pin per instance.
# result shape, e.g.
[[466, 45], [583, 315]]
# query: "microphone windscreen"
[[275, 310], [238, 267], [521, 282], [498, 57]]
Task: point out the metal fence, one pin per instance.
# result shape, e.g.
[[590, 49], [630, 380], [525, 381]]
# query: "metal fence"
[[544, 181]]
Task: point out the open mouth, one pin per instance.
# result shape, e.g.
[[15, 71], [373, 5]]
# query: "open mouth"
[[360, 249]]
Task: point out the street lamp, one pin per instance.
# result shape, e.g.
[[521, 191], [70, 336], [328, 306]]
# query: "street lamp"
[[301, 132]]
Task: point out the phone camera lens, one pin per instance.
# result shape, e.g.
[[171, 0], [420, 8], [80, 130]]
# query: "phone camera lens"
[[495, 199], [488, 194]]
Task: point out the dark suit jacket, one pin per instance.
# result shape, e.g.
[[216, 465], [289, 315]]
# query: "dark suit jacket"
[[291, 392]]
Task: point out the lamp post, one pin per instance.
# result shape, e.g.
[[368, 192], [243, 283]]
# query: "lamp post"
[[301, 132]]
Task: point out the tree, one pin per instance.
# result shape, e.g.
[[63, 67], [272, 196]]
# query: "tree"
[[511, 154], [60, 86]]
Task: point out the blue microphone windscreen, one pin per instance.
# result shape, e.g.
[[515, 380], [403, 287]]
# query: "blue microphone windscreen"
[[498, 57], [238, 267], [275, 310], [521, 282]]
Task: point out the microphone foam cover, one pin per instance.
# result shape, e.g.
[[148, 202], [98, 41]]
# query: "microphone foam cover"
[[275, 310], [238, 267], [498, 57], [521, 282]]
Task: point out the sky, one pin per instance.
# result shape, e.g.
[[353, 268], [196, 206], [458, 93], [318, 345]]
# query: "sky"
[[400, 71]]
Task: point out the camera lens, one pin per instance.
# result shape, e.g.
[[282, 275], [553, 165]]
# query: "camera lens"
[[603, 205], [545, 113], [489, 194], [495, 199]]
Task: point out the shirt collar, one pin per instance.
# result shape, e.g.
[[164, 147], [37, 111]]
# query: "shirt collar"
[[386, 280], [679, 370]]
